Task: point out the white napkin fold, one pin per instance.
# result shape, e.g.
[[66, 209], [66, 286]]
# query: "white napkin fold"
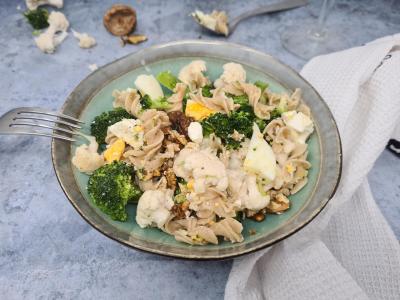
[[348, 251]]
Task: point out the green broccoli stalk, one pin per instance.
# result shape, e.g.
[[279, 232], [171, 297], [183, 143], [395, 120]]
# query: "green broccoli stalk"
[[160, 104], [112, 187], [241, 99], [37, 18], [206, 90], [167, 80], [100, 124], [262, 85]]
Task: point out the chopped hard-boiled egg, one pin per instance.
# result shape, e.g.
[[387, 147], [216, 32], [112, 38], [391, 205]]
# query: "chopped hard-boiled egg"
[[300, 122], [289, 168], [195, 132], [130, 131], [148, 85], [197, 110], [297, 120], [260, 159], [190, 185], [115, 151]]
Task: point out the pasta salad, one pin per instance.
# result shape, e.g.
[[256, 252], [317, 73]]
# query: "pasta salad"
[[197, 157]]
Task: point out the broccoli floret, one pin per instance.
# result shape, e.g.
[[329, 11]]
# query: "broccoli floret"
[[180, 198], [224, 125], [206, 90], [262, 85], [167, 80], [100, 124], [161, 104], [275, 114], [111, 187], [37, 18]]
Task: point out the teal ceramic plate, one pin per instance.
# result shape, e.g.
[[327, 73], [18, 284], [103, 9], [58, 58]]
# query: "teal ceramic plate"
[[93, 96]]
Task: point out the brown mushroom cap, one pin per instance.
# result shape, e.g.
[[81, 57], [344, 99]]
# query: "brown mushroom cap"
[[120, 19]]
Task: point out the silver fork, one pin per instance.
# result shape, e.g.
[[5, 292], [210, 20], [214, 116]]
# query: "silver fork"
[[39, 121]]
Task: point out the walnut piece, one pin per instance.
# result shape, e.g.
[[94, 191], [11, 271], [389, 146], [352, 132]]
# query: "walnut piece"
[[120, 19], [171, 178], [133, 39], [279, 204], [180, 122]]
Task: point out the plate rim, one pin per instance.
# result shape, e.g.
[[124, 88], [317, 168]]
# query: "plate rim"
[[311, 217]]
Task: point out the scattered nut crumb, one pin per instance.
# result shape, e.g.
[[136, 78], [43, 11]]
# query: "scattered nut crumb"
[[93, 67], [252, 231], [259, 217], [133, 39]]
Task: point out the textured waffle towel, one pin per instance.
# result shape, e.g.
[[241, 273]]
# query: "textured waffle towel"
[[348, 251]]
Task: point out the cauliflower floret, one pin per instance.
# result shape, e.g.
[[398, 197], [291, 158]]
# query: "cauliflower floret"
[[86, 158], [34, 4], [154, 208], [85, 41], [58, 21], [216, 21], [203, 167], [55, 33], [251, 197], [233, 72], [45, 42]]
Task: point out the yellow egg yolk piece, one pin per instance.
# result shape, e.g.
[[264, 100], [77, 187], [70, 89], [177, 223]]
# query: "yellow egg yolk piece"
[[197, 110], [115, 151], [190, 185]]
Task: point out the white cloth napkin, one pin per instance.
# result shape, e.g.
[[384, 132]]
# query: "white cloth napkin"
[[348, 251]]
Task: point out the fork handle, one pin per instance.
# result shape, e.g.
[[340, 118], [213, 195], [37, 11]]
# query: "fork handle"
[[269, 8]]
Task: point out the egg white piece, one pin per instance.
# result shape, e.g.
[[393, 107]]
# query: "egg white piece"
[[129, 130], [297, 120], [300, 122], [148, 85], [260, 159], [195, 132]]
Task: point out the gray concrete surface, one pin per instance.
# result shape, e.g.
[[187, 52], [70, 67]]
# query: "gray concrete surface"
[[46, 250]]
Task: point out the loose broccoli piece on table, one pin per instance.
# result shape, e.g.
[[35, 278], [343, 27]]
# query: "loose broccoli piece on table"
[[37, 18], [161, 104], [111, 187], [262, 85], [99, 126], [167, 80], [206, 90]]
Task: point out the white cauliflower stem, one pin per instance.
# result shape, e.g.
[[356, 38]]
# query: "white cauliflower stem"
[[34, 4], [85, 41]]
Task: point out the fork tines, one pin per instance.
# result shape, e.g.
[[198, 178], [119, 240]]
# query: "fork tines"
[[37, 121]]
